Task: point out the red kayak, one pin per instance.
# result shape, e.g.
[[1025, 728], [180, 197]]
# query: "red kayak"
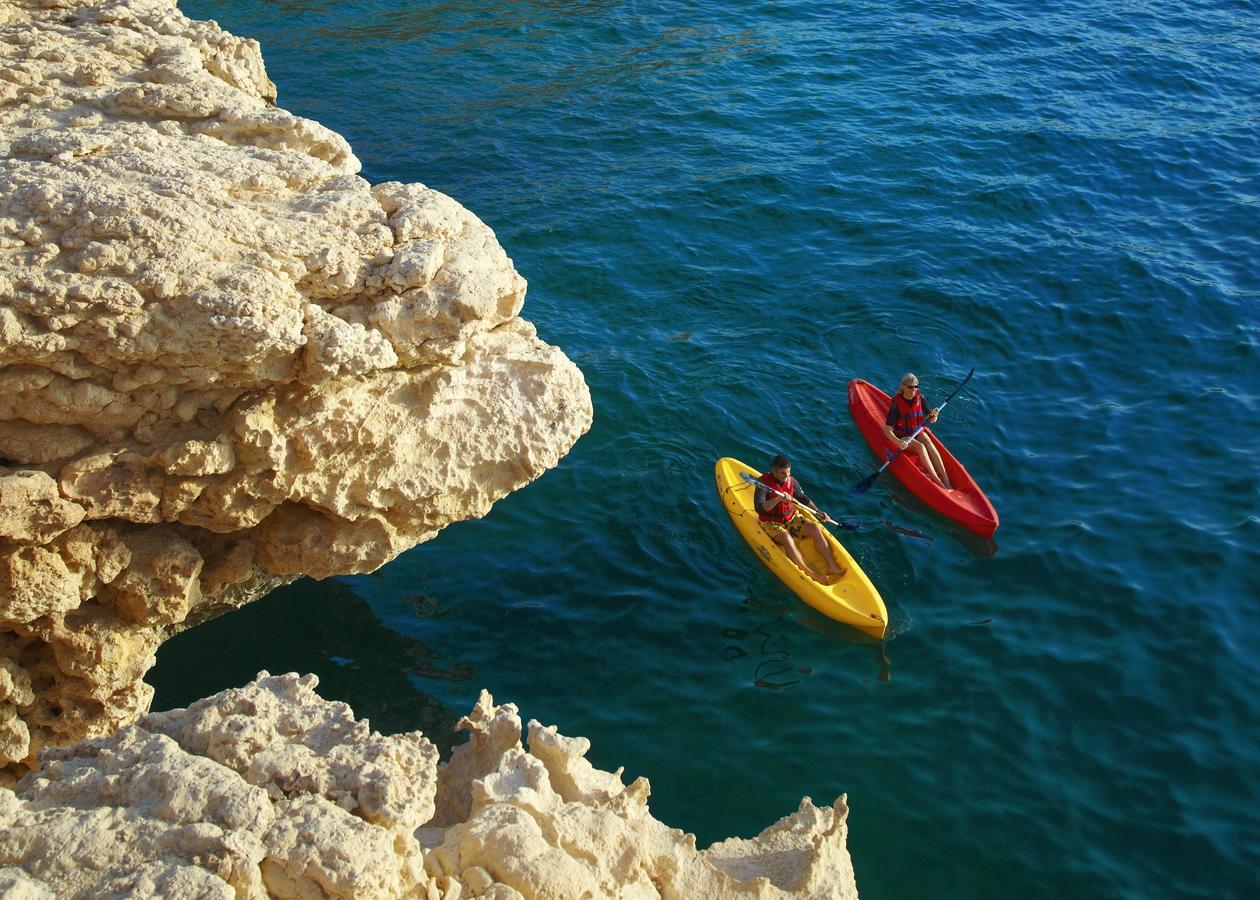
[[966, 504]]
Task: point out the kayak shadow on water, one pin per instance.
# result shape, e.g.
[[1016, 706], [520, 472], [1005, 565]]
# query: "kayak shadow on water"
[[974, 544], [981, 548], [765, 642]]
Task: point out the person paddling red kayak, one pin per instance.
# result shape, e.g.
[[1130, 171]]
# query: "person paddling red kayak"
[[963, 501], [905, 419]]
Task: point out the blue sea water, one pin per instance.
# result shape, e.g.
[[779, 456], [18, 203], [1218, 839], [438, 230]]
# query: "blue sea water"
[[725, 212]]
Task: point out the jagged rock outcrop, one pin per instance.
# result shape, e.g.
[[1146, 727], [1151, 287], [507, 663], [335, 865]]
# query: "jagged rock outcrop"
[[225, 359], [268, 790]]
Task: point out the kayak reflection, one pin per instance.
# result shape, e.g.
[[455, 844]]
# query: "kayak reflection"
[[764, 642]]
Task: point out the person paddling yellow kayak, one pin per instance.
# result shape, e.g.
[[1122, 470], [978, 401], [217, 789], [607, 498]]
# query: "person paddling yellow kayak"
[[776, 499], [849, 598]]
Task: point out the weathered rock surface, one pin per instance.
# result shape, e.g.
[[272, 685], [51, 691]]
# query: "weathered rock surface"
[[225, 359], [268, 790]]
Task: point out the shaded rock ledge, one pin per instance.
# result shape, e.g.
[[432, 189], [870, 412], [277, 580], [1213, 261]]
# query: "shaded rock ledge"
[[268, 790], [225, 359]]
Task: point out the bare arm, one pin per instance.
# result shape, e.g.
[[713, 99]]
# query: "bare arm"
[[765, 499], [804, 500]]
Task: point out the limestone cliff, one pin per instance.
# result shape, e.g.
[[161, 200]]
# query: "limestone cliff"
[[268, 790], [225, 359]]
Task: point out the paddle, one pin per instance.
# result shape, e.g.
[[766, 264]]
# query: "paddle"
[[865, 484], [816, 514]]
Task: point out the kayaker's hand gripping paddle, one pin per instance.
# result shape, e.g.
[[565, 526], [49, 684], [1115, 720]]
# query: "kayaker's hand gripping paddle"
[[817, 514]]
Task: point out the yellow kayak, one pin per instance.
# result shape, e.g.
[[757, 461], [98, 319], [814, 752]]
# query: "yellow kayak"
[[852, 600]]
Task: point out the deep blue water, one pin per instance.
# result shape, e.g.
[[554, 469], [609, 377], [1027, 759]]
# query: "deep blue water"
[[725, 212]]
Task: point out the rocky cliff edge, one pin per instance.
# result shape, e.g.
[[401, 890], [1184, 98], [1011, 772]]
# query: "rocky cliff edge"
[[268, 790], [225, 359]]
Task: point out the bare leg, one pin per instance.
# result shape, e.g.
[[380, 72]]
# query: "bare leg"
[[941, 471], [925, 451], [834, 569], [784, 540]]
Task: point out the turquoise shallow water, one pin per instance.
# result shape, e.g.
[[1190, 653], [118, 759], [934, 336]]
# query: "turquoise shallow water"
[[725, 213]]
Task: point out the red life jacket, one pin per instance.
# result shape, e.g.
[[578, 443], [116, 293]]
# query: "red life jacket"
[[783, 512], [909, 414]]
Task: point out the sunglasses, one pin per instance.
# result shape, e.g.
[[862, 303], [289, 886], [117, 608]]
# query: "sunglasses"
[[915, 385]]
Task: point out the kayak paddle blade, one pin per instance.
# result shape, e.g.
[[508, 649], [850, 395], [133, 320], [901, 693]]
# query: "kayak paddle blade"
[[865, 484]]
